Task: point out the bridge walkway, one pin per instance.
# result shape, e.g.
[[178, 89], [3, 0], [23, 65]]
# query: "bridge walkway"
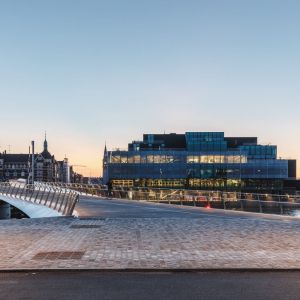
[[137, 235]]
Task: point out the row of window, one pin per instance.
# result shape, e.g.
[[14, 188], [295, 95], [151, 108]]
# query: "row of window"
[[165, 159], [217, 159], [14, 174], [260, 151], [16, 166], [210, 184], [194, 137]]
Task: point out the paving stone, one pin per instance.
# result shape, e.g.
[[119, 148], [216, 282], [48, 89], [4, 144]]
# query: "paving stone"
[[159, 243]]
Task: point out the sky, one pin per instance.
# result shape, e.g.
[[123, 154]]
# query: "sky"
[[93, 71]]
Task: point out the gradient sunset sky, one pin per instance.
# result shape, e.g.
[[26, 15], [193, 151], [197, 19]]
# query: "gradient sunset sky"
[[94, 71]]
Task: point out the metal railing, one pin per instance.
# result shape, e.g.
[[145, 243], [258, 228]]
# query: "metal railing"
[[252, 202], [262, 203], [54, 197]]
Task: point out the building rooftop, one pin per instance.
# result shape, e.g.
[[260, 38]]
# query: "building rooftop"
[[15, 158]]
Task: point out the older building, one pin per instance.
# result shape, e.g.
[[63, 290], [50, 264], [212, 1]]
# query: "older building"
[[45, 165], [13, 166], [47, 169]]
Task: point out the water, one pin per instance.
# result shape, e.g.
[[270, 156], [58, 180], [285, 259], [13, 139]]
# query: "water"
[[295, 213]]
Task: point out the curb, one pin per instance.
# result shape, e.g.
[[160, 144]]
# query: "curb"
[[209, 270]]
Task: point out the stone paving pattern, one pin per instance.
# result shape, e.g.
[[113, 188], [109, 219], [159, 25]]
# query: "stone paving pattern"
[[147, 243]]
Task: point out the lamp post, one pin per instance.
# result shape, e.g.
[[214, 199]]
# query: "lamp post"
[[32, 162], [240, 170]]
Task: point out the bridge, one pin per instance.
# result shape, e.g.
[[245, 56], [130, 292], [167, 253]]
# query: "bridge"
[[112, 233], [227, 200], [59, 199], [125, 234], [36, 201]]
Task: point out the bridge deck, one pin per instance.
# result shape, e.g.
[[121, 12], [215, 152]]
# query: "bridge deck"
[[120, 235]]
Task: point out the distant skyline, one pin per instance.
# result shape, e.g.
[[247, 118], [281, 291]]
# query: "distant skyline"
[[94, 71]]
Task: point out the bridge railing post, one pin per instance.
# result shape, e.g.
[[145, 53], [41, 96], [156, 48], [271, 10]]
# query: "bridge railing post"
[[26, 192], [22, 192], [65, 196], [43, 193], [58, 198], [68, 202], [53, 197], [260, 205], [17, 189], [242, 204], [9, 193], [281, 207], [2, 188], [32, 193], [7, 187], [37, 194], [224, 201], [71, 204], [48, 195]]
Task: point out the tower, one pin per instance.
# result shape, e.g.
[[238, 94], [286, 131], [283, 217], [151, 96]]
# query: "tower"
[[45, 143], [105, 165]]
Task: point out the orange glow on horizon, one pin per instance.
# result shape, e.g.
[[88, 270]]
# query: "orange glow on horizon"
[[86, 153]]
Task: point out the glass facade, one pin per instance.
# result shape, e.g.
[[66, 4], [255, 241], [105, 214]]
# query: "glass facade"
[[202, 160]]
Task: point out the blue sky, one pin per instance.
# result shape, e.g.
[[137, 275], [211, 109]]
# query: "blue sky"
[[90, 71]]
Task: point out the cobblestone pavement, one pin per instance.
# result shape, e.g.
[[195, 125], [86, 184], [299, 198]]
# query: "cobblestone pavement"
[[150, 243]]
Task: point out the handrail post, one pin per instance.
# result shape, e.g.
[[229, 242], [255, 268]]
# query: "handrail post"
[[69, 198], [73, 203], [31, 196], [260, 205], [26, 191], [43, 193], [48, 194], [242, 204], [63, 200], [16, 192], [53, 197], [36, 196], [4, 188], [9, 190], [224, 202], [57, 198]]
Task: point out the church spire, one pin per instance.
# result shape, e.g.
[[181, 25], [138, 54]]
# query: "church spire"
[[45, 142], [105, 152], [105, 149]]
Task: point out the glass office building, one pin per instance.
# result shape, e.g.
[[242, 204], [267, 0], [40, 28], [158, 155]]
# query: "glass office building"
[[198, 160]]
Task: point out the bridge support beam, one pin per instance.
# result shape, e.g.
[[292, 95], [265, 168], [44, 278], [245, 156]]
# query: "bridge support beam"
[[4, 210]]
